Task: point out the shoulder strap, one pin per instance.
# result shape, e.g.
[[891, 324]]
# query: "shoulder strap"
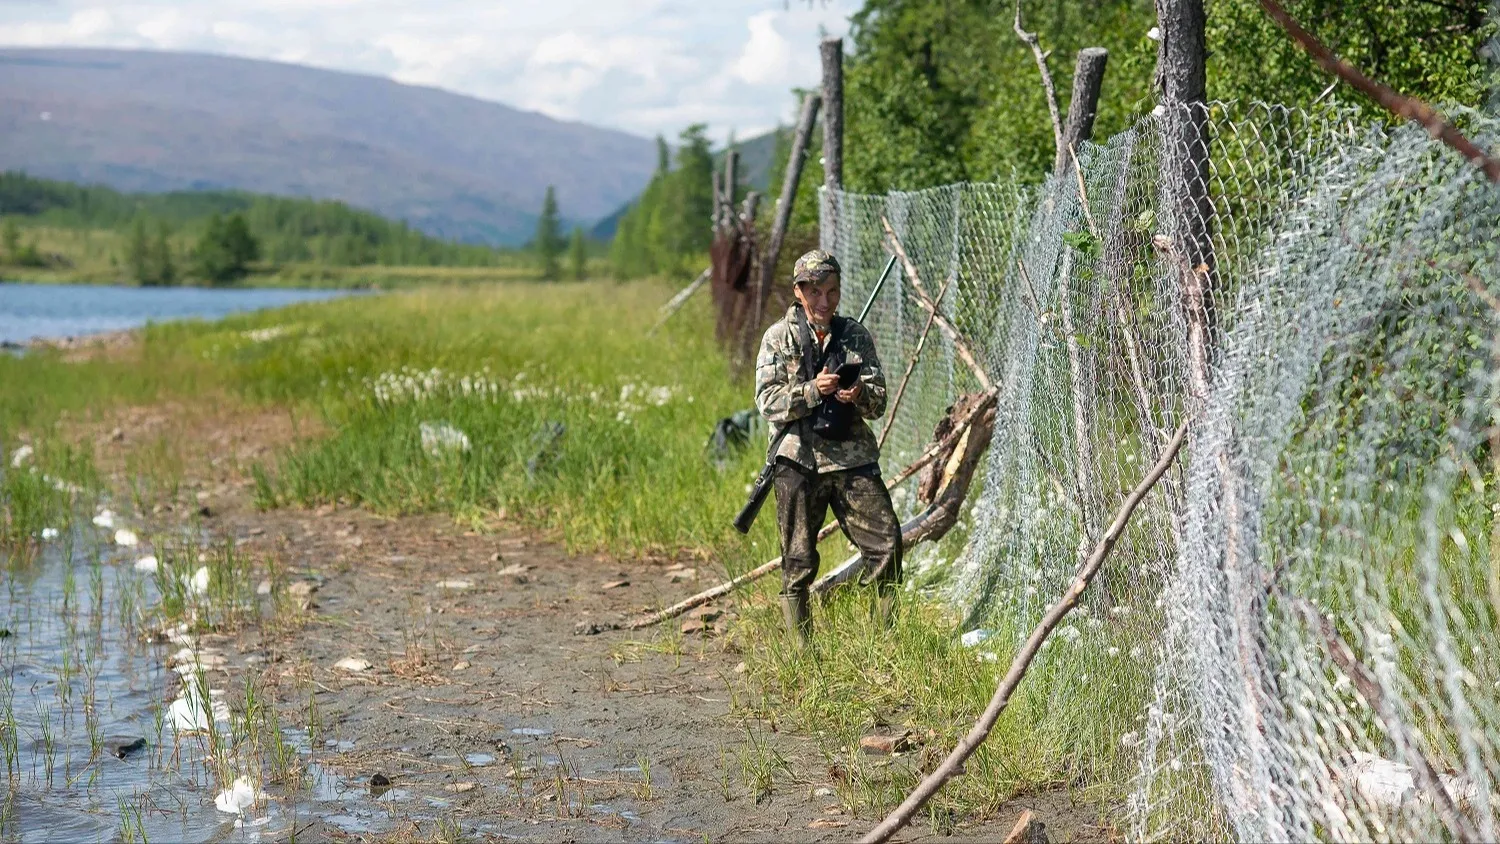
[[810, 350]]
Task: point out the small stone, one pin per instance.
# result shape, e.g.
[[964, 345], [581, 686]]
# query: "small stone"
[[515, 569], [695, 625], [615, 584], [379, 780], [706, 613], [834, 809], [741, 668], [301, 588], [883, 745], [352, 663], [1028, 830], [823, 791], [496, 557], [461, 787], [454, 584], [827, 823], [122, 746], [263, 588], [682, 574], [116, 435], [461, 665]]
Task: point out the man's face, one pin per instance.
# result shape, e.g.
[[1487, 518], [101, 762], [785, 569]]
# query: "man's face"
[[820, 299]]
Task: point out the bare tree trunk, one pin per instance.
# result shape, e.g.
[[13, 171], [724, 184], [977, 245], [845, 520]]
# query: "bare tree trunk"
[[731, 183], [981, 730], [783, 214], [832, 50]]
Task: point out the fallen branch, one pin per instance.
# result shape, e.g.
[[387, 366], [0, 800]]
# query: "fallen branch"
[[981, 729], [960, 345], [676, 302], [591, 628], [1409, 108], [911, 366], [946, 501], [1422, 769]]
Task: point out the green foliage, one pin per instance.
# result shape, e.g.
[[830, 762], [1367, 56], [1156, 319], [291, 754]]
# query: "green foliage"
[[148, 259], [225, 250], [10, 238], [578, 255], [1419, 47], [670, 225], [288, 230], [548, 242], [939, 91]]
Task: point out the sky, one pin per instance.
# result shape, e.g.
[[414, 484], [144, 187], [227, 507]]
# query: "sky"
[[642, 66]]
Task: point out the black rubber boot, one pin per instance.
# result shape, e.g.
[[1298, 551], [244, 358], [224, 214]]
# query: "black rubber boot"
[[798, 616]]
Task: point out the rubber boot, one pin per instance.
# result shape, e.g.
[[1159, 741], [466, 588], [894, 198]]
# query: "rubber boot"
[[798, 616], [883, 607]]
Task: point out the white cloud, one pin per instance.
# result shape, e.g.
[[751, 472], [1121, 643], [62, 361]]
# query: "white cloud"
[[644, 66]]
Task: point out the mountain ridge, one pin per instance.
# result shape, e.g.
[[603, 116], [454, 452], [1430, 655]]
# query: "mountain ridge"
[[450, 165]]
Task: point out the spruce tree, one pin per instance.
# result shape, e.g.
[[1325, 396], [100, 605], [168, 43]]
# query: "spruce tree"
[[10, 238], [578, 255], [138, 254], [161, 255], [549, 244]]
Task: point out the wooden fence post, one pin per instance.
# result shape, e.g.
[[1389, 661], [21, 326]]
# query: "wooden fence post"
[[832, 50], [772, 251], [1088, 78]]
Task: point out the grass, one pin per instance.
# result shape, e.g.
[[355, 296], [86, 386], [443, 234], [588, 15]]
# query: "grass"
[[503, 369]]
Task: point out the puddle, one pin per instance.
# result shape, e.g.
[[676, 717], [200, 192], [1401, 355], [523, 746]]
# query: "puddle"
[[79, 682], [479, 760]]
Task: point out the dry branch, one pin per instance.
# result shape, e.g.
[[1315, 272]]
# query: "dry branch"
[[911, 366], [960, 345], [676, 302], [1409, 108], [590, 628], [1012, 679], [951, 483], [1422, 769], [1041, 64]]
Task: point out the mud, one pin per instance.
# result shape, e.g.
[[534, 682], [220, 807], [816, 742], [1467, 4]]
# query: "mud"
[[483, 715]]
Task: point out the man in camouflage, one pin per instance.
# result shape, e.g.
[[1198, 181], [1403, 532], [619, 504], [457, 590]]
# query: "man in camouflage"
[[795, 379]]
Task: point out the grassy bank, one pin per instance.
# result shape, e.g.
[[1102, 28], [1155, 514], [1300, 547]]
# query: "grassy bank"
[[548, 405]]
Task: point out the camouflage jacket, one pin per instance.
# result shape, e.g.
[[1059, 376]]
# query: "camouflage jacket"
[[783, 397]]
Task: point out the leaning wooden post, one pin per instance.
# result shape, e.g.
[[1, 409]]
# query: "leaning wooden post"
[[832, 50], [783, 212], [1023, 659]]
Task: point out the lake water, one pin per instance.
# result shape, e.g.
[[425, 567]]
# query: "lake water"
[[29, 311]]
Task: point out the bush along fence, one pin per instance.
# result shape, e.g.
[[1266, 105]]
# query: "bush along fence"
[[1293, 637]]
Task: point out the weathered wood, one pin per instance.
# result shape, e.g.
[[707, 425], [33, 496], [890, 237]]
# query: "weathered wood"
[[1028, 830], [1088, 78], [832, 51], [960, 345], [1041, 64], [676, 302], [1423, 771], [911, 365], [944, 489], [719, 203], [932, 453], [784, 208], [1180, 72], [731, 183], [1023, 659]]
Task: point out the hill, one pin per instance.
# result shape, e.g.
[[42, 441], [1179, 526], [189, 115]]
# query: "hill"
[[452, 166]]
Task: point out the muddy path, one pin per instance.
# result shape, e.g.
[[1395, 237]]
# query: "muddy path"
[[480, 714]]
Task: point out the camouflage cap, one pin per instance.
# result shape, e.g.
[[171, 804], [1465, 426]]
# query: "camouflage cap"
[[814, 266]]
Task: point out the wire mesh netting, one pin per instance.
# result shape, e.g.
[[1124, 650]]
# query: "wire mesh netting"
[[1295, 637]]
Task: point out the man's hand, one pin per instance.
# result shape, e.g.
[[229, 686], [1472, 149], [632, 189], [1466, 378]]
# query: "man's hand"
[[850, 395], [827, 381]]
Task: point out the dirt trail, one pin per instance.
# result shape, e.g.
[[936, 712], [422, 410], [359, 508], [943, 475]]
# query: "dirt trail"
[[481, 706]]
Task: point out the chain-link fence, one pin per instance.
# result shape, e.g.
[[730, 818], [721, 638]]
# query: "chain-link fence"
[[1296, 637]]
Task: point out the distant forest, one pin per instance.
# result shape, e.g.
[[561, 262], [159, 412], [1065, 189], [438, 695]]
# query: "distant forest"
[[286, 230]]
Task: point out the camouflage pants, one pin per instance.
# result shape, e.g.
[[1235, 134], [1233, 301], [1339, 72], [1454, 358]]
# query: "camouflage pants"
[[862, 505]]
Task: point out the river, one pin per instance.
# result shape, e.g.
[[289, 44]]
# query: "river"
[[31, 311]]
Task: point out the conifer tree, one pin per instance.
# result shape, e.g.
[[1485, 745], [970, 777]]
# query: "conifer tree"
[[549, 244], [578, 255]]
